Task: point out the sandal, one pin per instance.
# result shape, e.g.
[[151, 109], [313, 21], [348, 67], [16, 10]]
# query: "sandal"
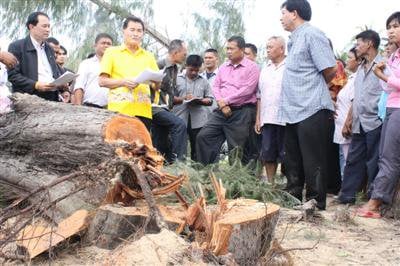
[[367, 213]]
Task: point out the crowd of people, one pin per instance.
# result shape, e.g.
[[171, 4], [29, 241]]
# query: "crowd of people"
[[333, 125]]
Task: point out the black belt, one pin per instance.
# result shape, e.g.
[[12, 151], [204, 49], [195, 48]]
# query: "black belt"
[[94, 105], [234, 108]]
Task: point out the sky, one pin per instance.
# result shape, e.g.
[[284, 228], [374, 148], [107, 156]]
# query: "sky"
[[341, 20]]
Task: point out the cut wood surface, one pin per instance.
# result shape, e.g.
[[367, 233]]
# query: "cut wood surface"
[[114, 223], [245, 229], [36, 239]]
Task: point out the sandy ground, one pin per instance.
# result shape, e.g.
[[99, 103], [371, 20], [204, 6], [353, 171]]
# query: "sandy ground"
[[359, 241]]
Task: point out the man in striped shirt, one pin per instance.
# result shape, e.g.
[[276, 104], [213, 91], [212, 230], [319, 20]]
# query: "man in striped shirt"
[[306, 106]]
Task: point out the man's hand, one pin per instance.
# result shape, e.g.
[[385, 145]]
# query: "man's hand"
[[226, 110], [378, 70], [347, 128], [129, 83], [64, 87], [189, 97], [205, 101], [221, 104], [8, 59], [155, 86], [43, 86], [257, 127]]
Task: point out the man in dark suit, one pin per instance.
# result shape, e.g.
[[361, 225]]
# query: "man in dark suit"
[[37, 67]]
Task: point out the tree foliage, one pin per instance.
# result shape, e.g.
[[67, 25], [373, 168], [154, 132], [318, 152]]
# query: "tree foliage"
[[223, 21], [80, 20]]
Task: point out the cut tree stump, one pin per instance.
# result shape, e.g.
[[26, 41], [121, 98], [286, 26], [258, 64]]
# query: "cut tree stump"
[[246, 230], [114, 223], [41, 141]]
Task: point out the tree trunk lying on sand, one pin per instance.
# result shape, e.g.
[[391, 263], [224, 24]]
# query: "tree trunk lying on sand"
[[42, 141]]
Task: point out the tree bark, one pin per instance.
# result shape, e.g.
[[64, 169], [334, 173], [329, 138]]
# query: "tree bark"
[[113, 223], [41, 141]]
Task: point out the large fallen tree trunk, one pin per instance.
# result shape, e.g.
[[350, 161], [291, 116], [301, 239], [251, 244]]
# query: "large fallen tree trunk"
[[42, 141]]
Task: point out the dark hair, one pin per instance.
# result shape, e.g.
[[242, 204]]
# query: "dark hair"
[[354, 51], [302, 8], [63, 48], [394, 16], [53, 41], [252, 47], [33, 18], [103, 36], [175, 45], [211, 50], [194, 60], [133, 19], [90, 55], [239, 40], [370, 35]]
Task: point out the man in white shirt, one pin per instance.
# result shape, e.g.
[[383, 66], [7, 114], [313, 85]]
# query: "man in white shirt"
[[87, 90], [211, 65], [268, 98], [37, 67]]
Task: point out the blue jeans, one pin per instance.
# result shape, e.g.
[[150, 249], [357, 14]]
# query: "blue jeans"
[[342, 160], [362, 161], [169, 135]]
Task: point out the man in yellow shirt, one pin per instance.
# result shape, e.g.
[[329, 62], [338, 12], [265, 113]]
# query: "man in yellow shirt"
[[120, 65]]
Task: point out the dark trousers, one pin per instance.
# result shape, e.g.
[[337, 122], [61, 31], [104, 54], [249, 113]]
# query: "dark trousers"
[[235, 130], [192, 133], [334, 181], [169, 135], [362, 161], [251, 151], [146, 121], [388, 176], [306, 159]]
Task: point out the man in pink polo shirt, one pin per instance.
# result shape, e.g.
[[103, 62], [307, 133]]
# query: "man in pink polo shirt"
[[234, 88]]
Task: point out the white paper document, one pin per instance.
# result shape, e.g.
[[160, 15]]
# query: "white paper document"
[[195, 99], [149, 75], [159, 105], [65, 78]]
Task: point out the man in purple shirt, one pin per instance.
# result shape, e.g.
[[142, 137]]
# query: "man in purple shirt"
[[234, 88]]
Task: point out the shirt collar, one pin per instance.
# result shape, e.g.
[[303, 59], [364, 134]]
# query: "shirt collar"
[[245, 62], [183, 75], [396, 54], [214, 72], [36, 43], [299, 29], [138, 51], [168, 63], [95, 58], [282, 63]]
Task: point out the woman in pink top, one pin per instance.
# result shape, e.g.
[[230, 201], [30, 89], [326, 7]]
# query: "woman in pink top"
[[389, 154]]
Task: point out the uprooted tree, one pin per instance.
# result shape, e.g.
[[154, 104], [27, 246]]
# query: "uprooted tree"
[[60, 161]]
